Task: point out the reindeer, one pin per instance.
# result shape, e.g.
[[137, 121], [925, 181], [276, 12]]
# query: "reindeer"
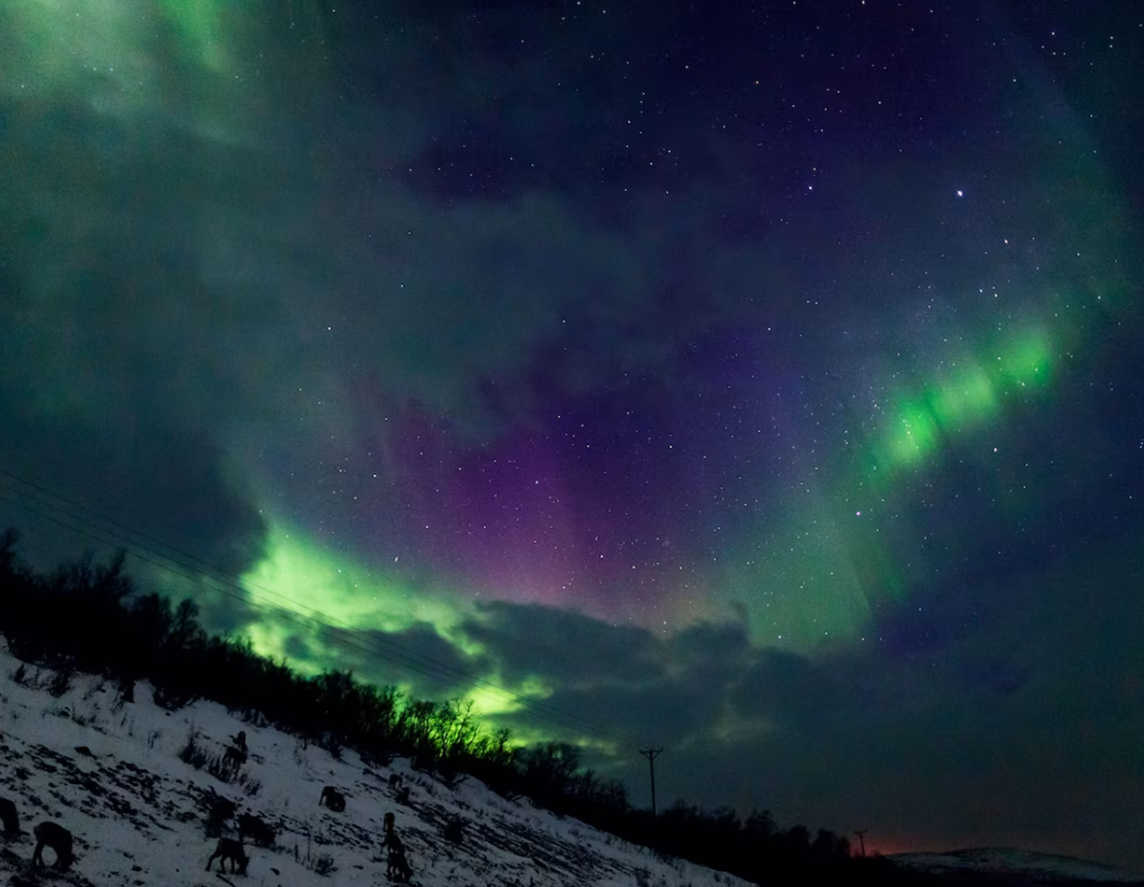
[[233, 759], [52, 834], [238, 747], [232, 849], [221, 809], [395, 780], [333, 799], [9, 817], [256, 829], [396, 865], [236, 754]]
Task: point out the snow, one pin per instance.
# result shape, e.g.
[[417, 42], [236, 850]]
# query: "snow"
[[110, 773], [1039, 867]]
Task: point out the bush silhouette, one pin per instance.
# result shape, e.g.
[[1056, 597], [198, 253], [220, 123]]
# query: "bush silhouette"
[[169, 647]]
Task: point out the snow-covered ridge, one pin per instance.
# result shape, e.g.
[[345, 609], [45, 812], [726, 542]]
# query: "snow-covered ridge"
[[1038, 868], [110, 772]]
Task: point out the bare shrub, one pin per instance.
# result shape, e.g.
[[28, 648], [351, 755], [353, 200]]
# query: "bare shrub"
[[323, 865], [320, 864], [61, 682], [217, 765], [172, 699], [449, 775], [192, 752]]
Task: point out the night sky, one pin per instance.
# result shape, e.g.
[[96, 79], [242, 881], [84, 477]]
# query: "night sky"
[[756, 380]]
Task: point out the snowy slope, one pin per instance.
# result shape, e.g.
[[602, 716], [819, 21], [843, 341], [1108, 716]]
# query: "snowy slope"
[[1015, 865], [111, 774]]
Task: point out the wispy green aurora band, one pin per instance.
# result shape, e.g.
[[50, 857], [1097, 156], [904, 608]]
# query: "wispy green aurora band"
[[843, 538]]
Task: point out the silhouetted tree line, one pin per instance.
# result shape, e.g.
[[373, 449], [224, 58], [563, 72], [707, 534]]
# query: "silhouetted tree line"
[[91, 617]]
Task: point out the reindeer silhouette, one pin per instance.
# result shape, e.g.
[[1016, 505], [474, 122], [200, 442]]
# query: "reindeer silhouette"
[[253, 827], [52, 834], [9, 818], [333, 799], [396, 865], [232, 849]]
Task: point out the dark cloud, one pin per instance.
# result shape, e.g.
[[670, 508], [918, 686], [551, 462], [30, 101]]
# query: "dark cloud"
[[417, 657], [614, 288], [645, 688], [532, 640], [1020, 723], [143, 468], [121, 383]]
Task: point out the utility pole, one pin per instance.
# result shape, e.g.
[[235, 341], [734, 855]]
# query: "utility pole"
[[861, 833], [651, 754]]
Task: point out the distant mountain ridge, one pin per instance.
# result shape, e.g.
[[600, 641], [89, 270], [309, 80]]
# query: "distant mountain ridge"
[[1006, 865]]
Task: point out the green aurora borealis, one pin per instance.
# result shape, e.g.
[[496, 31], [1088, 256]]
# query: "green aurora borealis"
[[759, 384]]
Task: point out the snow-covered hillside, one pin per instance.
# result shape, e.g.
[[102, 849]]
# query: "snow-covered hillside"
[[110, 772], [1015, 866]]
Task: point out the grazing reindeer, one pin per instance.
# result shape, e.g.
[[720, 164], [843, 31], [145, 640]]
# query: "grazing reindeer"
[[230, 848], [333, 799], [221, 809], [396, 865], [233, 759], [250, 826], [52, 834], [395, 780], [238, 748], [236, 754], [9, 817]]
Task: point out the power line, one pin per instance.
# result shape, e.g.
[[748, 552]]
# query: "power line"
[[83, 519], [238, 589], [69, 522], [651, 754], [221, 580]]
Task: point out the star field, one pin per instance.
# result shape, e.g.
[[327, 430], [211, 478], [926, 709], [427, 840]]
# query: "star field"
[[759, 382]]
